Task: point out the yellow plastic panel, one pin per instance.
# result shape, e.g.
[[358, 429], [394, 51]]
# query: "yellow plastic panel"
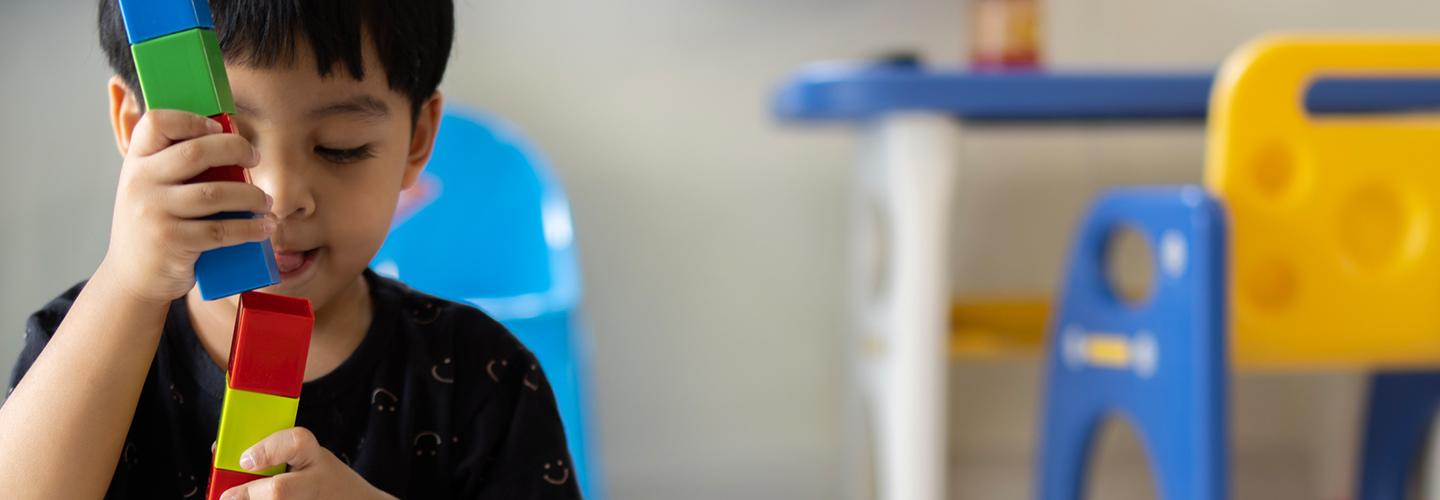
[[1335, 259], [997, 327]]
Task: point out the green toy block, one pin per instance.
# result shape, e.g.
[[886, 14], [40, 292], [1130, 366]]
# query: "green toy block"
[[246, 418], [184, 71]]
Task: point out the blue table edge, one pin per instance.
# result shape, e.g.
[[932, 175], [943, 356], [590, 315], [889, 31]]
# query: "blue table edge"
[[830, 92]]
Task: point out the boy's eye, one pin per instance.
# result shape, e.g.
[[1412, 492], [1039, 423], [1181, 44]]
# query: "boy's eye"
[[345, 155]]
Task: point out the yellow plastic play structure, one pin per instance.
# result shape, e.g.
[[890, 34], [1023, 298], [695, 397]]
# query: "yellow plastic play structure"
[[1336, 260]]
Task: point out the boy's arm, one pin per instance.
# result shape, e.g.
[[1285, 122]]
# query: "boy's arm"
[[66, 422], [62, 429]]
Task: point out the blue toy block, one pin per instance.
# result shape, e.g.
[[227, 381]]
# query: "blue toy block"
[[1399, 415], [1160, 365], [147, 19], [226, 271]]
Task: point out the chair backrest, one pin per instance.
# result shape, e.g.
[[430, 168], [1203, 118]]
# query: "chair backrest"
[[1160, 364], [1336, 248], [489, 224]]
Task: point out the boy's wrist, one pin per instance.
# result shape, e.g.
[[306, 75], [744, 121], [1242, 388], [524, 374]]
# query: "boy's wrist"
[[112, 285]]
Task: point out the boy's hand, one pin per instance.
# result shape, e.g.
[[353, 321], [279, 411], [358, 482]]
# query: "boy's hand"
[[315, 473], [155, 236]]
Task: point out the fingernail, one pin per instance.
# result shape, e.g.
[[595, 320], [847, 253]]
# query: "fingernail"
[[269, 202], [247, 462], [268, 226], [256, 153], [213, 126]]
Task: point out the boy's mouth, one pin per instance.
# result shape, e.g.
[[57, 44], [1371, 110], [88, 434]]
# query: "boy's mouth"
[[292, 263]]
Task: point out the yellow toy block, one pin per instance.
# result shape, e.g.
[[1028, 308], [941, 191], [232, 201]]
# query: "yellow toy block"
[[246, 418], [1335, 253]]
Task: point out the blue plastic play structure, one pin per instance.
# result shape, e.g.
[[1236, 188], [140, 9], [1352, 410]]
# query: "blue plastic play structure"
[[1162, 366], [858, 92], [1159, 364], [492, 228], [1399, 418]]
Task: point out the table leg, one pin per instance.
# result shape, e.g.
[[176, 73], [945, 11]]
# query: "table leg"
[[900, 301]]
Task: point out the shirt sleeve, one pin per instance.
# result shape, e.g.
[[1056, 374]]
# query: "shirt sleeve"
[[517, 448], [38, 330]]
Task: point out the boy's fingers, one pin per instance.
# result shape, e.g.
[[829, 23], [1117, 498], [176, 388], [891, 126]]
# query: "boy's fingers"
[[280, 487], [159, 128], [295, 446], [269, 488], [191, 201], [189, 158], [202, 235]]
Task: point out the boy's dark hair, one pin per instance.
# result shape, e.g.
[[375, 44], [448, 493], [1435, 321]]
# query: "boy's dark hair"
[[412, 38]]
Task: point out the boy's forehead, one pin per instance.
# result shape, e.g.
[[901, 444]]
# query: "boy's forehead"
[[299, 90], [296, 85], [361, 106]]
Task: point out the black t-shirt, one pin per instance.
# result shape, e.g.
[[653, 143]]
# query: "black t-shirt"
[[438, 401]]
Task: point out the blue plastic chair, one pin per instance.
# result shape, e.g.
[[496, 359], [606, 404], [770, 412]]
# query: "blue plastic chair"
[[1160, 364], [493, 229]]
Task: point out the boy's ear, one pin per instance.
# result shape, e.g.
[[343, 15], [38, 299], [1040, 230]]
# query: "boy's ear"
[[124, 112], [422, 138]]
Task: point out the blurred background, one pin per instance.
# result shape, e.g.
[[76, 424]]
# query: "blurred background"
[[713, 239]]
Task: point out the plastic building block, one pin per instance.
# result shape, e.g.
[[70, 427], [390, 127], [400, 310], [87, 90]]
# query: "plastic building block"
[[272, 338], [267, 353], [223, 272], [246, 418], [226, 271], [230, 173], [184, 71], [1160, 364], [147, 19], [222, 480]]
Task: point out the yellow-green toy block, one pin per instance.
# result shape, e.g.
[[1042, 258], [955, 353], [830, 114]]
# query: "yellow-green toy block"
[[184, 71], [246, 418]]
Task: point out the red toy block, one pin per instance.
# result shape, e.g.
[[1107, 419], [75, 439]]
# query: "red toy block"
[[272, 337], [230, 173], [222, 480]]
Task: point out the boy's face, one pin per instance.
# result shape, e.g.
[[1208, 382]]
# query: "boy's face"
[[334, 154]]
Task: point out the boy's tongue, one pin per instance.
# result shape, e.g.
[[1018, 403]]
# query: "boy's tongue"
[[289, 261]]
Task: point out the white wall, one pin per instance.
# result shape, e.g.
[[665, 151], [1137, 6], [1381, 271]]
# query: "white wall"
[[60, 165], [712, 237]]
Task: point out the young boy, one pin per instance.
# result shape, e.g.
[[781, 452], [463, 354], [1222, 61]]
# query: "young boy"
[[118, 389]]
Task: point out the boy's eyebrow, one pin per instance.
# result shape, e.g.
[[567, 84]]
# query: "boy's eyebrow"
[[363, 104]]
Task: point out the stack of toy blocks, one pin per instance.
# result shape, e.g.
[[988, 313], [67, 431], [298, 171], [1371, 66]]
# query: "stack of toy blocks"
[[262, 387], [178, 60], [177, 57]]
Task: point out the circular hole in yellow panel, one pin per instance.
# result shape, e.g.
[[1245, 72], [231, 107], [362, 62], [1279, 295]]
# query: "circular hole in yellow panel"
[[1273, 170], [1269, 285], [1373, 226], [1129, 266]]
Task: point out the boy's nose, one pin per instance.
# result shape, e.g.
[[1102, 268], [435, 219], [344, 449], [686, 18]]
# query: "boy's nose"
[[288, 187]]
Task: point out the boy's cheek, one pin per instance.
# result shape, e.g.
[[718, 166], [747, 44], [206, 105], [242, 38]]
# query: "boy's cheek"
[[360, 228]]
